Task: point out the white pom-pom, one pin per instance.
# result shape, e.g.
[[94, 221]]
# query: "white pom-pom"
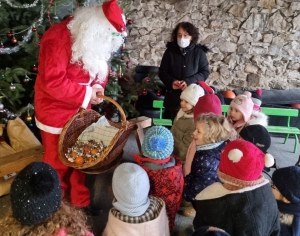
[[124, 34], [235, 155], [269, 160], [248, 94]]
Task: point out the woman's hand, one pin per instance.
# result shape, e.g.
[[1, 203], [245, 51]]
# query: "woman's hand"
[[179, 84]]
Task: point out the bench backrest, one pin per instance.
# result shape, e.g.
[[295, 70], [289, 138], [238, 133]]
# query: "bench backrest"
[[159, 104]]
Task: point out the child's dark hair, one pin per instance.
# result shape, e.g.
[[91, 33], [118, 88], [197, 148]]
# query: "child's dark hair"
[[189, 28]]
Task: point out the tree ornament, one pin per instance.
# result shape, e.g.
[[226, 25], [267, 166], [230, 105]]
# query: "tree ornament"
[[3, 76], [26, 79], [12, 87], [147, 79], [28, 119], [123, 58], [1, 106], [34, 68], [129, 21], [55, 17], [123, 47], [158, 93], [14, 40], [40, 36], [9, 34], [144, 92], [33, 29], [2, 45]]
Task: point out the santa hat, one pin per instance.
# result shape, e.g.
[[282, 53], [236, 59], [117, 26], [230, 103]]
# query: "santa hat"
[[206, 104], [242, 163], [192, 93], [256, 99], [244, 104], [258, 135], [114, 18]]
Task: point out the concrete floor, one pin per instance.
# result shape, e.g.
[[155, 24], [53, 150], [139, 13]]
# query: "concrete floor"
[[100, 185]]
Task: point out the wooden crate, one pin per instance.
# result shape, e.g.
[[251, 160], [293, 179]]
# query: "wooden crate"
[[17, 161]]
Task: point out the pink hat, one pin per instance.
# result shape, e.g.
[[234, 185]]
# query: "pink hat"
[[244, 104], [206, 104], [114, 15], [244, 161]]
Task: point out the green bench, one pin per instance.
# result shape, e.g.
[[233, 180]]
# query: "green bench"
[[160, 121], [279, 129]]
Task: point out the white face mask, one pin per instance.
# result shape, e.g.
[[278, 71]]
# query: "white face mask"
[[183, 43]]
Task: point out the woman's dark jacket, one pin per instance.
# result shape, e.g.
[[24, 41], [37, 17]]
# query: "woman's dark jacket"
[[190, 65]]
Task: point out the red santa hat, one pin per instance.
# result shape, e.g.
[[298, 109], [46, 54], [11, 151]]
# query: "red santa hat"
[[242, 160], [115, 17]]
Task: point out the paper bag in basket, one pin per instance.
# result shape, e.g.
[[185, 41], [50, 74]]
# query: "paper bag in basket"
[[20, 136]]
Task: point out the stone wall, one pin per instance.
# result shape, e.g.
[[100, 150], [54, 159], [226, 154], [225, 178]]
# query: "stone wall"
[[253, 43]]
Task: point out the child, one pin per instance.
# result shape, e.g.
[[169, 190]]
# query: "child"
[[163, 168], [211, 135], [243, 204], [134, 212], [183, 126], [286, 189], [240, 110], [37, 208]]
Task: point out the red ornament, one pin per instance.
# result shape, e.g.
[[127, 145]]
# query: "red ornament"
[[33, 29], [158, 93], [40, 36], [144, 92], [9, 34], [34, 68], [14, 40], [123, 47], [129, 21], [2, 46], [123, 58], [147, 80]]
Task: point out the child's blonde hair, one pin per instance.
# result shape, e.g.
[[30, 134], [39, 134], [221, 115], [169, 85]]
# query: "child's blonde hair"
[[217, 127], [72, 219]]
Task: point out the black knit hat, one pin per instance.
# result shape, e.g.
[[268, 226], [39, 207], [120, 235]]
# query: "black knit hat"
[[203, 231], [35, 193], [287, 181], [258, 135]]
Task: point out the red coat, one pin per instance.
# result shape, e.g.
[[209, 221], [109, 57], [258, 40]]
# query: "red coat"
[[61, 88]]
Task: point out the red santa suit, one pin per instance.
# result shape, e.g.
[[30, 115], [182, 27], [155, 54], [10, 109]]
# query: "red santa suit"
[[61, 89]]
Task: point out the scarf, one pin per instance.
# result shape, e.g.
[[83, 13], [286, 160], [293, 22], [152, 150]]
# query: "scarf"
[[208, 146]]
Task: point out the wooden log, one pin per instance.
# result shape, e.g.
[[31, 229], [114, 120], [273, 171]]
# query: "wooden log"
[[17, 161]]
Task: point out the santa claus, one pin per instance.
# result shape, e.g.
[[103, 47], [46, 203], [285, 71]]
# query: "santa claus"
[[72, 69]]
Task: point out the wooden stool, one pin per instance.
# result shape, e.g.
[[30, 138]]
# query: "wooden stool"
[[141, 122]]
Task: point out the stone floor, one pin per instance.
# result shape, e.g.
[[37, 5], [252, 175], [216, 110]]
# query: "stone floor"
[[100, 185]]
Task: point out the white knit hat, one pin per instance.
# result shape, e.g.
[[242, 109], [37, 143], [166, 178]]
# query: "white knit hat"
[[130, 184], [192, 93]]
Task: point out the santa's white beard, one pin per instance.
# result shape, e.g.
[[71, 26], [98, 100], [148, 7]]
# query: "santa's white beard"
[[92, 45]]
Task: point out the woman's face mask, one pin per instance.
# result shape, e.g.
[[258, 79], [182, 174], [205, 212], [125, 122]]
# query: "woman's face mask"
[[183, 43]]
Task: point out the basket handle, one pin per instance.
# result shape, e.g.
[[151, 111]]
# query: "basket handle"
[[123, 117]]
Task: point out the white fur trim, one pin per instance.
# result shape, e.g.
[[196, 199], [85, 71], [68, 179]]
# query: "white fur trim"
[[269, 160], [87, 97], [256, 101], [258, 118], [235, 155], [46, 128], [217, 190]]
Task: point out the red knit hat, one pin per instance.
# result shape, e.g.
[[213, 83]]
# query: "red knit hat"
[[114, 15], [243, 160], [206, 104]]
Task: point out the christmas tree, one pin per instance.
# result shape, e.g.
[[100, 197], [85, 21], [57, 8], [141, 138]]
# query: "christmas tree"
[[22, 25]]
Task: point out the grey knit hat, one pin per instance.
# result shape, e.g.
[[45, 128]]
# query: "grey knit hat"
[[130, 184], [35, 193]]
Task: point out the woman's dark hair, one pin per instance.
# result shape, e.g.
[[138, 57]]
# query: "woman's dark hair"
[[189, 28]]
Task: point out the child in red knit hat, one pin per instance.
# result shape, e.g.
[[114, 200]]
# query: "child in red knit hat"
[[243, 204]]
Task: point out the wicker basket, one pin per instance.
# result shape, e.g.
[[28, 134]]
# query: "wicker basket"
[[112, 154]]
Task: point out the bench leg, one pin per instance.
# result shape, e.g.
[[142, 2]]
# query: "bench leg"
[[296, 143], [286, 138]]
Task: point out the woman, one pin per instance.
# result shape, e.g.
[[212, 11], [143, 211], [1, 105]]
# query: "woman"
[[183, 63]]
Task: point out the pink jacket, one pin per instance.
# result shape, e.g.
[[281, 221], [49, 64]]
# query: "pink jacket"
[[189, 158], [61, 88]]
